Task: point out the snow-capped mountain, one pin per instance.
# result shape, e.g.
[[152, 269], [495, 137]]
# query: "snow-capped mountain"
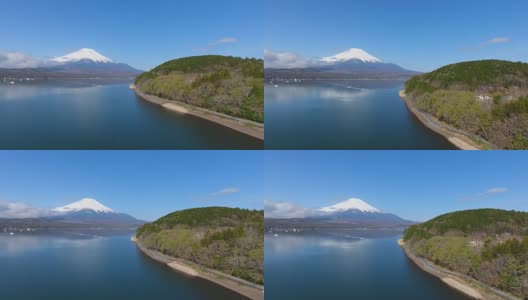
[[354, 63], [83, 54], [358, 61], [90, 211], [85, 63], [84, 204], [352, 203], [352, 54], [358, 212], [350, 214], [88, 62]]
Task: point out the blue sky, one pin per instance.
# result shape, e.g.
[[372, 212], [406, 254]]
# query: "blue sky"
[[145, 184], [418, 35], [141, 33], [416, 185]]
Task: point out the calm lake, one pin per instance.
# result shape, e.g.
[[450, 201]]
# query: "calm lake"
[[97, 115], [358, 114], [346, 265], [72, 266]]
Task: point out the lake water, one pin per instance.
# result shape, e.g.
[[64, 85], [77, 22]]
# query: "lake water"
[[70, 266], [92, 115], [346, 265], [359, 114]]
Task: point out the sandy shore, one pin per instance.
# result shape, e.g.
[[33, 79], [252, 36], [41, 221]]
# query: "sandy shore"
[[455, 136], [245, 288], [462, 283], [248, 127]]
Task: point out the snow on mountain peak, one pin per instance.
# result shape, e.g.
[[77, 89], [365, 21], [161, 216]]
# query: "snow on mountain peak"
[[83, 54], [84, 204], [349, 204], [353, 53]]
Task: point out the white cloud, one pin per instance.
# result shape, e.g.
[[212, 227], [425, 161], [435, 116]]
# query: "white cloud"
[[283, 210], [289, 60], [286, 60], [497, 40], [229, 190], [288, 210], [18, 60], [18, 210], [497, 190], [227, 40], [493, 41], [485, 194]]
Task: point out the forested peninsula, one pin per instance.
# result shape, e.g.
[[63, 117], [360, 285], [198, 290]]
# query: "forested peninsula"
[[229, 85], [228, 240], [487, 100], [487, 246]]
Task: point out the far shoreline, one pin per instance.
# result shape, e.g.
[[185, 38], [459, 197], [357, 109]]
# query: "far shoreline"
[[463, 284], [245, 288], [247, 127], [454, 136]]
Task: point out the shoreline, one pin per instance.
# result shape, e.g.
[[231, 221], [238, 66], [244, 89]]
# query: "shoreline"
[[245, 288], [247, 127], [462, 283], [455, 136]]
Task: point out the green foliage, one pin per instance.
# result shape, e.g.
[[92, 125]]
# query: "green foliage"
[[228, 235], [230, 240], [512, 247], [454, 253], [450, 93], [417, 83], [455, 107], [489, 245], [488, 221], [511, 108], [230, 85], [148, 228], [207, 216], [415, 232], [471, 76], [199, 64]]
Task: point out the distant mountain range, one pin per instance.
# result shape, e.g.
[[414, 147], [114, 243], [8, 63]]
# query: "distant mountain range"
[[85, 213], [352, 213], [354, 63], [84, 63]]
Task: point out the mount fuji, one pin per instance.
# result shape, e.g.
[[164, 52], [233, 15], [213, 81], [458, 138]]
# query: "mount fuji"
[[356, 60], [89, 61], [83, 63], [352, 54], [357, 211], [83, 214], [352, 213], [90, 211], [83, 54], [354, 63]]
